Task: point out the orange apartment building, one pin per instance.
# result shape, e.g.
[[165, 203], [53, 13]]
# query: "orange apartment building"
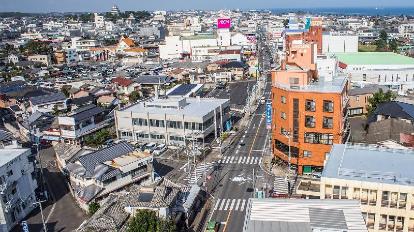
[[309, 111]]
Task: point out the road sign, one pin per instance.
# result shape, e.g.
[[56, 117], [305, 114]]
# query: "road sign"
[[25, 227], [268, 115]]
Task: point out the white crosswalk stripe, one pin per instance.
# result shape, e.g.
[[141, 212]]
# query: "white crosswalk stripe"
[[280, 185], [230, 204], [240, 160], [198, 173]]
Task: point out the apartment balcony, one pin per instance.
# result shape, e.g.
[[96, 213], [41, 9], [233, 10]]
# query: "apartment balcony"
[[3, 187]]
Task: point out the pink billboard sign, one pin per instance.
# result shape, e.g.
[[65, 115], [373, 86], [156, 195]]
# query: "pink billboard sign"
[[223, 23]]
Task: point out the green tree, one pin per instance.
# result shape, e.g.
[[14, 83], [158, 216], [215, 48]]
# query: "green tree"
[[65, 90], [378, 98], [93, 207], [147, 221], [383, 35], [285, 23], [393, 45], [134, 96]]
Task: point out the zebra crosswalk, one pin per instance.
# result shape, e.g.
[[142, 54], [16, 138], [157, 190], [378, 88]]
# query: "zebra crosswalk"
[[198, 173], [240, 160], [230, 205], [280, 185]]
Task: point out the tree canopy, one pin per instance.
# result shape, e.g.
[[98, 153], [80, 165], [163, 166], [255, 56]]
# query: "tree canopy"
[[378, 98], [147, 221]]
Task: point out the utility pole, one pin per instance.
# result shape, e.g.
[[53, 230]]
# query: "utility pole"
[[41, 212]]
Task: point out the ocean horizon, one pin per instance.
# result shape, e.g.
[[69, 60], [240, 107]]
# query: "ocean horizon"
[[370, 11]]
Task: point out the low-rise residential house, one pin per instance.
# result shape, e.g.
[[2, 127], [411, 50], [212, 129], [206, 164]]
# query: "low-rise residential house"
[[101, 172], [81, 122], [48, 103], [67, 153], [39, 124], [124, 86], [12, 59], [358, 98], [17, 187], [151, 84], [43, 59]]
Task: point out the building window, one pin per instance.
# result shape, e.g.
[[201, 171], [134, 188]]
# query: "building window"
[[327, 122], [282, 147], [364, 77], [385, 199], [175, 124], [336, 190], [283, 99], [307, 154], [309, 121], [357, 98], [328, 106], [157, 136], [356, 111], [126, 134], [318, 138], [10, 173], [142, 135], [283, 115], [283, 131], [310, 105], [139, 122], [157, 123]]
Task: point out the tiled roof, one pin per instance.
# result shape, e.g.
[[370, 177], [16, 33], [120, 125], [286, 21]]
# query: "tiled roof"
[[122, 81], [150, 79], [5, 135], [128, 41], [86, 112], [54, 97], [92, 160], [135, 50]]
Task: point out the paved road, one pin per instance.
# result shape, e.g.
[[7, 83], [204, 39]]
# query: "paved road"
[[232, 182], [64, 215]]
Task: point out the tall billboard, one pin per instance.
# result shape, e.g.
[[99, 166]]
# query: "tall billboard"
[[223, 23]]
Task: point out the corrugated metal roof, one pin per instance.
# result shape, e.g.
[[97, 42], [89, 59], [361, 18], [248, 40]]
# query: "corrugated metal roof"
[[292, 215]]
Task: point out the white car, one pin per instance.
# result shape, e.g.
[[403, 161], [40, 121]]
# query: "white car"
[[150, 147], [160, 149]]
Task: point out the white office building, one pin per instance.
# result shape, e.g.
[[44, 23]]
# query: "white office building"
[[382, 68], [173, 120], [334, 42], [17, 187]]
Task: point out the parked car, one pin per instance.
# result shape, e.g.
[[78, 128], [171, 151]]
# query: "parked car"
[[160, 149], [150, 147]]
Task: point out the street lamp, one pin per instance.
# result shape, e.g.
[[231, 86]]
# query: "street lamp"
[[41, 213]]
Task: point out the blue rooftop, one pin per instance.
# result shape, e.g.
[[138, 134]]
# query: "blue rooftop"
[[183, 90]]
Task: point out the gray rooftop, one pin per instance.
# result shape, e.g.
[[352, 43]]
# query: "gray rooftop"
[[300, 215], [336, 85], [54, 97], [192, 107], [371, 163], [368, 89], [92, 162], [7, 155]]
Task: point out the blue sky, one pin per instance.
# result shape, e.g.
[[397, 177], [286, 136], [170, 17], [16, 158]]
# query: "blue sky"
[[105, 5]]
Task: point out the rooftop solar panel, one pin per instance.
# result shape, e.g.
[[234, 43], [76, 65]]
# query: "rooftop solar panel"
[[183, 89]]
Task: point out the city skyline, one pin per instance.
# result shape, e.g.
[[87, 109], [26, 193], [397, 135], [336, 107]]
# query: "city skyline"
[[101, 6]]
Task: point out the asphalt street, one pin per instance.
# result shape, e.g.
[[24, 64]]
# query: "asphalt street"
[[238, 173], [61, 213], [232, 182]]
